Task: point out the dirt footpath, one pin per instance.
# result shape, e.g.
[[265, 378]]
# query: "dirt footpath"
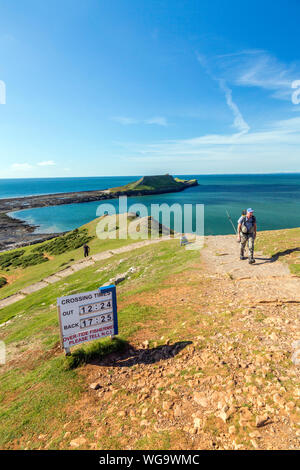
[[215, 371], [266, 280]]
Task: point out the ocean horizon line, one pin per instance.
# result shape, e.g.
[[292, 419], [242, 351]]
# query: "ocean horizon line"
[[152, 174]]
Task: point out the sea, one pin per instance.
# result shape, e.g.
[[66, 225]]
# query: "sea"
[[275, 199]]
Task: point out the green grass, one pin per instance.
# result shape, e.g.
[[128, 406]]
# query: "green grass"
[[164, 258], [33, 402], [156, 440], [22, 277], [38, 387], [95, 350], [37, 390], [283, 245], [10, 258], [69, 242], [153, 183]]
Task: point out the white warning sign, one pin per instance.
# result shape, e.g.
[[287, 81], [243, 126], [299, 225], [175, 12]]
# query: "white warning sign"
[[88, 316]]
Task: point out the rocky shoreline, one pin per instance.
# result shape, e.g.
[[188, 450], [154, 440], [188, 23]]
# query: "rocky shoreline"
[[15, 233]]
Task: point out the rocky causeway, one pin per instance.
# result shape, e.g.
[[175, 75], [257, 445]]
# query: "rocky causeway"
[[15, 233]]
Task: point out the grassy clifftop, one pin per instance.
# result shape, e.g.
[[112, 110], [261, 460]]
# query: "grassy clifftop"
[[206, 367], [24, 266], [159, 183]]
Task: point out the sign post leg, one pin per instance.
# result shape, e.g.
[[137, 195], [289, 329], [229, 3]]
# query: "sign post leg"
[[67, 351]]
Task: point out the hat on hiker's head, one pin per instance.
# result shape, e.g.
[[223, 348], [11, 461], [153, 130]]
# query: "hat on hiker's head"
[[250, 210]]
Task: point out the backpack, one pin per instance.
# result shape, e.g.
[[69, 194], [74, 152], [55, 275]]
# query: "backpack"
[[243, 224]]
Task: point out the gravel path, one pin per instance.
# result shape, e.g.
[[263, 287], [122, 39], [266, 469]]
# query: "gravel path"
[[266, 280]]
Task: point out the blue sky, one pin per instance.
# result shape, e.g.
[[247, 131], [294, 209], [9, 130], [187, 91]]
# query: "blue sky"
[[130, 87]]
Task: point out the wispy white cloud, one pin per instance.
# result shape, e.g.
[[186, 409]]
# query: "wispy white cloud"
[[29, 166], [21, 166], [126, 121], [257, 68], [239, 122], [47, 163], [159, 120], [264, 148]]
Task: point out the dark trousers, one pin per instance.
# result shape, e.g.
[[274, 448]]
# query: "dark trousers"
[[247, 237]]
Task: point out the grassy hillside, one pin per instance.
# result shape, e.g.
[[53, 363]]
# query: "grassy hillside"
[[155, 183], [191, 333], [37, 387], [33, 263]]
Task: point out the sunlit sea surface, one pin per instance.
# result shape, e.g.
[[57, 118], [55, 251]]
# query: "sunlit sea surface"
[[275, 199]]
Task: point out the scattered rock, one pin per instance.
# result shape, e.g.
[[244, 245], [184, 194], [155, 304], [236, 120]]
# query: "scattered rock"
[[222, 415], [120, 278], [79, 442], [201, 399], [254, 443], [255, 434], [144, 422], [261, 421], [231, 430], [132, 270], [245, 417], [296, 357], [197, 423], [95, 386], [167, 405], [278, 400], [296, 344], [177, 411]]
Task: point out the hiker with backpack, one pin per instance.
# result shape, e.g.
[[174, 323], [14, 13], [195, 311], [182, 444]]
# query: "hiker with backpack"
[[247, 233]]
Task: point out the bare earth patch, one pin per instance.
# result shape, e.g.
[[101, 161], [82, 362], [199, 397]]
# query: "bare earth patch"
[[213, 372]]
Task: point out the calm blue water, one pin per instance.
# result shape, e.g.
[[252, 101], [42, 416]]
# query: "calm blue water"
[[275, 199], [31, 186]]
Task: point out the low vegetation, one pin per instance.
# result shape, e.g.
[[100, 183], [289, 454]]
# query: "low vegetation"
[[71, 241], [33, 263], [227, 352], [155, 183], [17, 259], [95, 351], [37, 255], [37, 389], [9, 258]]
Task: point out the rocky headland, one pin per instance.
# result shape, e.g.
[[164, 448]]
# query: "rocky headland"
[[15, 233]]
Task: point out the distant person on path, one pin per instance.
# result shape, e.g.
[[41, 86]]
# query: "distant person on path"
[[247, 233], [183, 240], [86, 250]]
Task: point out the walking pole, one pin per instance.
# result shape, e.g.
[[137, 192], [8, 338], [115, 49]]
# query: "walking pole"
[[230, 219]]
